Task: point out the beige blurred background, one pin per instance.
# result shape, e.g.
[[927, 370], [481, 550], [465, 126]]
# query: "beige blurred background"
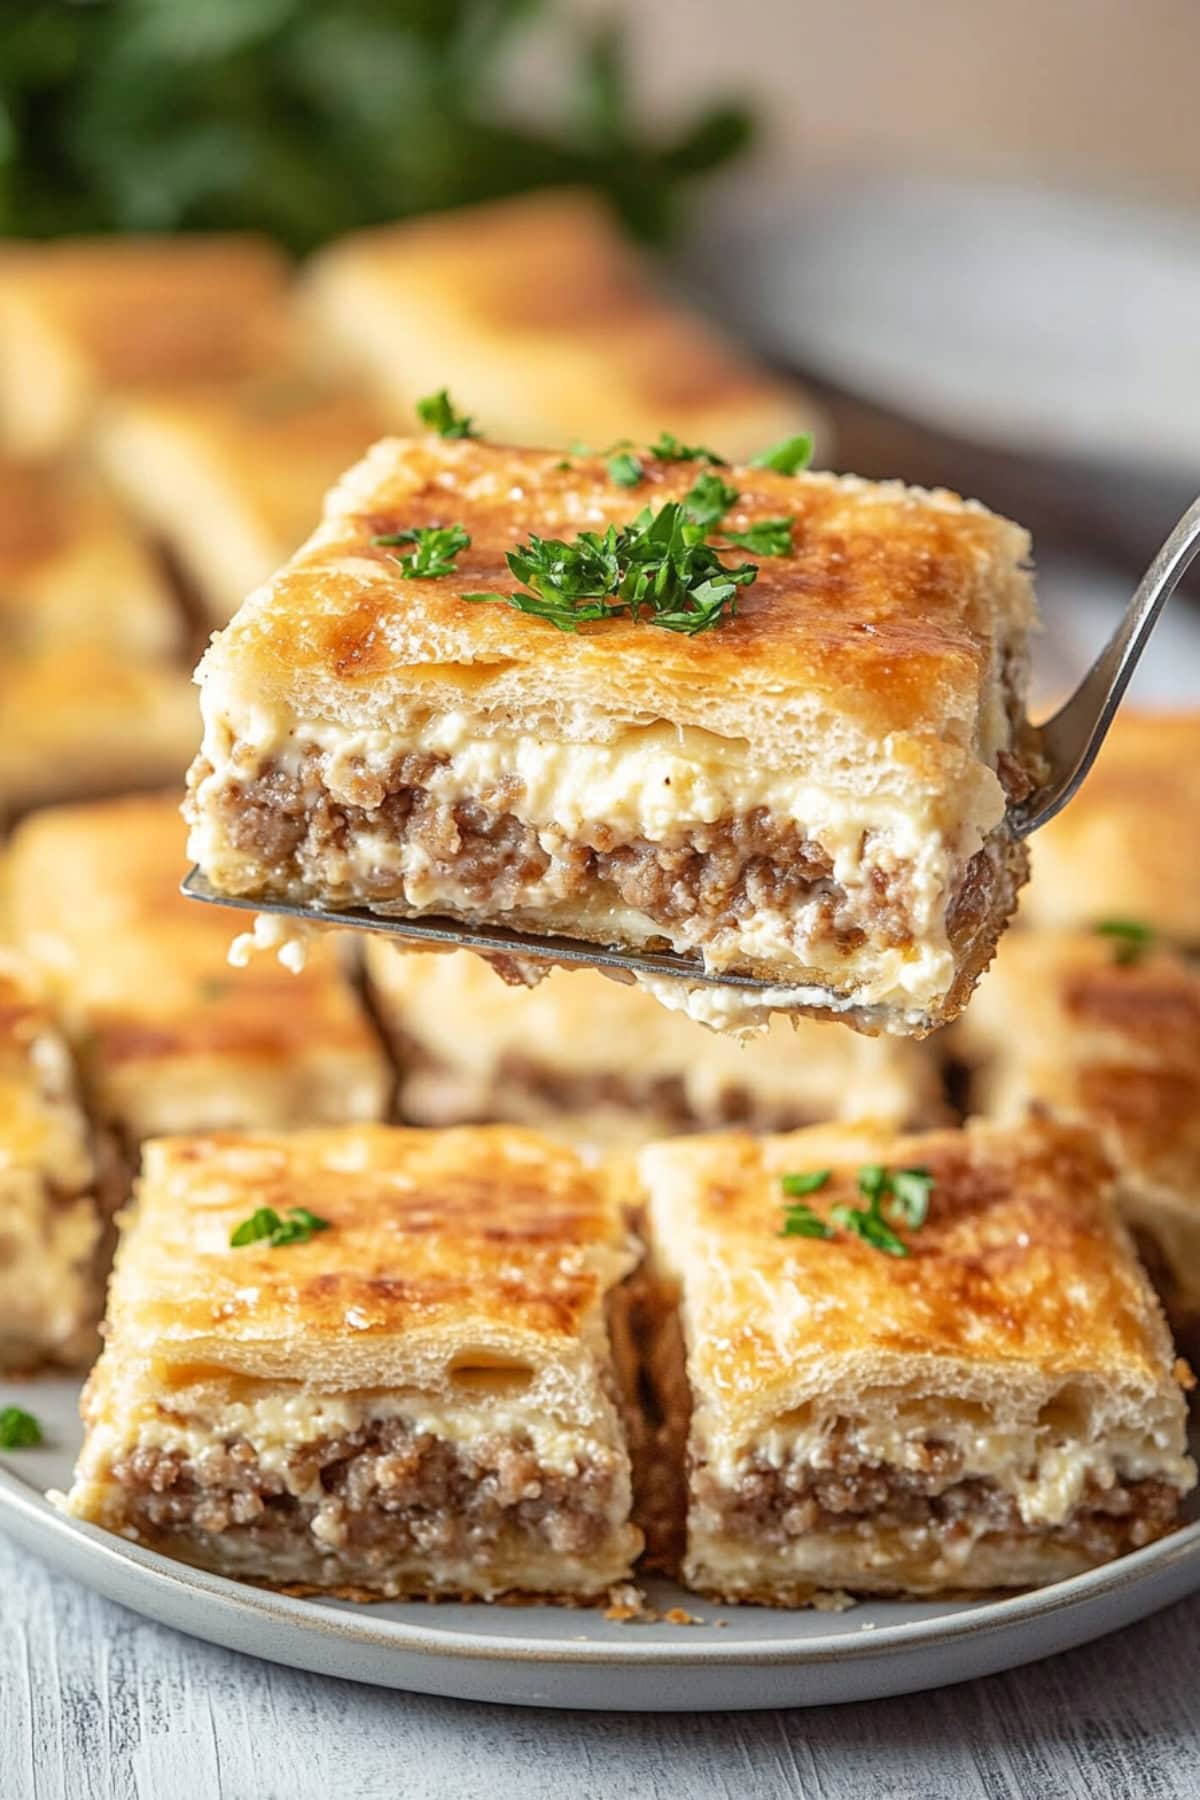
[[1088, 97], [1098, 92]]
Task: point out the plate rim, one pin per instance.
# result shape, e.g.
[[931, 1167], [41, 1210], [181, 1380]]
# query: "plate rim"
[[234, 1599]]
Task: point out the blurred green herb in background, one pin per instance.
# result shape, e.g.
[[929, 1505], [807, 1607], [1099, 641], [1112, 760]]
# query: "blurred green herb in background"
[[307, 118]]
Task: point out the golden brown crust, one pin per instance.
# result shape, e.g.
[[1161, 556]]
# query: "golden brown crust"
[[425, 1225], [543, 320], [997, 1407], [1019, 1263], [482, 1236], [172, 1037], [886, 610], [82, 315], [1127, 829]]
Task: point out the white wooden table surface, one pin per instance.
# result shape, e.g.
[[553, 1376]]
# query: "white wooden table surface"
[[97, 1704]]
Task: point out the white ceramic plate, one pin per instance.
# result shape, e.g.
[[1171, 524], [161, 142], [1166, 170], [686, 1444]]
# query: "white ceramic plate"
[[739, 1657]]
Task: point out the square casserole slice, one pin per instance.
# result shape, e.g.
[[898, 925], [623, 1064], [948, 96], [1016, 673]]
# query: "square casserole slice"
[[74, 571], [1060, 1025], [419, 1400], [81, 317], [598, 1062], [811, 793], [91, 698], [1127, 847], [50, 1210], [83, 720], [540, 310], [170, 1038], [997, 1409], [231, 476]]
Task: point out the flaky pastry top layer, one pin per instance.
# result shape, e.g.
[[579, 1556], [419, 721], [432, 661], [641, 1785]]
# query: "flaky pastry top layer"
[[1019, 1280], [487, 1242], [887, 627]]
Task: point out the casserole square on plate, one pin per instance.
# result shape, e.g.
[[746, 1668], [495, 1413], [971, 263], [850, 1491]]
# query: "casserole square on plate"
[[231, 476], [171, 1038], [1127, 847], [811, 792], [90, 697], [996, 1408], [73, 571], [1096, 1030], [80, 317], [598, 1062], [419, 1399], [540, 310], [50, 1210], [82, 720]]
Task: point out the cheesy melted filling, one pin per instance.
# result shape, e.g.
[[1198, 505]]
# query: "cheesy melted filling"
[[289, 939], [281, 1423], [652, 780], [739, 1011], [651, 783], [1045, 1472]]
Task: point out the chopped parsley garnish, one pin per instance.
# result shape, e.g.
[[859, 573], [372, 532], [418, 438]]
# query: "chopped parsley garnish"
[[769, 537], [265, 1223], [138, 112], [1131, 940], [19, 1430], [796, 1186], [787, 458], [708, 500], [904, 1192], [624, 469], [437, 411], [212, 988], [658, 568], [668, 448], [800, 1220], [577, 447], [435, 549], [909, 1195]]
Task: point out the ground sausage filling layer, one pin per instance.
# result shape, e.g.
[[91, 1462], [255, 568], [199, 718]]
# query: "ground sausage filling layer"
[[770, 1507], [666, 1096], [522, 1088], [712, 879], [355, 1506]]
